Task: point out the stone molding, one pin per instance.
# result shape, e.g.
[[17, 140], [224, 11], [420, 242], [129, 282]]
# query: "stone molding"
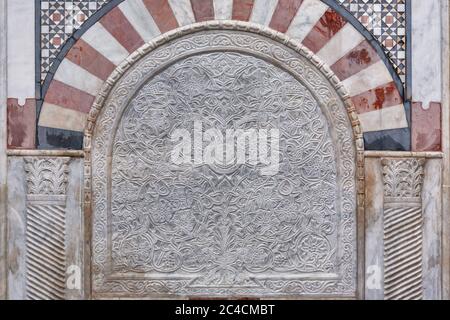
[[3, 157]]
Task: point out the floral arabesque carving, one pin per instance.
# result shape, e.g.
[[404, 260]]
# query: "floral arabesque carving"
[[117, 265], [403, 178]]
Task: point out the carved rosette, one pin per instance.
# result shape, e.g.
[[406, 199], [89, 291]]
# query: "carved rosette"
[[155, 234], [46, 227], [403, 222]]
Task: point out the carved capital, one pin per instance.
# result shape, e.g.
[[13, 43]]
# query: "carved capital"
[[403, 179], [46, 176]]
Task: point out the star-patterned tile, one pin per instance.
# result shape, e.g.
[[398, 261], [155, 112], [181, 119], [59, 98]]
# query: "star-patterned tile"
[[386, 20], [59, 20]]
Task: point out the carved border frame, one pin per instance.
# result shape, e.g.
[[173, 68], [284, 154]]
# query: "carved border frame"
[[227, 25]]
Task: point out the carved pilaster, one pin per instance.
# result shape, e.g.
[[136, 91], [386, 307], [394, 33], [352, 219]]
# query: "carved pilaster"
[[46, 227], [403, 221]]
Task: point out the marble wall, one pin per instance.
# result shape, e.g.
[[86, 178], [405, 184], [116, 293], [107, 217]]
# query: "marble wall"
[[402, 171]]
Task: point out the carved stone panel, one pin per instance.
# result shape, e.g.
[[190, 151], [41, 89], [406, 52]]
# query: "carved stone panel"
[[222, 229]]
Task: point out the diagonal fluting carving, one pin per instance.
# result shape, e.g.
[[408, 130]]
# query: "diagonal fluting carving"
[[46, 227], [403, 224], [403, 253]]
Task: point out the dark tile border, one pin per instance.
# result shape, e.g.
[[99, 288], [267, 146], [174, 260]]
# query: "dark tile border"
[[37, 62], [388, 140], [408, 84], [52, 138]]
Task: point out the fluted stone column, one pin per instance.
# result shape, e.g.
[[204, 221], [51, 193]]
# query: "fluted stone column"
[[46, 227], [403, 228]]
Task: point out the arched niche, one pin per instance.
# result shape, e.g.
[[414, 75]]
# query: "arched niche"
[[165, 230]]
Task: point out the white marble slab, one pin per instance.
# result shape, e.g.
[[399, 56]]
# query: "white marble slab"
[[384, 119], [182, 9], [21, 50], [223, 9], [75, 232], [426, 51], [16, 255], [373, 76], [263, 11], [432, 221], [54, 116], [374, 249], [77, 77], [342, 43], [142, 21]]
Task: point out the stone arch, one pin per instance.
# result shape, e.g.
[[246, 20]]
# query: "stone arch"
[[122, 26], [112, 275]]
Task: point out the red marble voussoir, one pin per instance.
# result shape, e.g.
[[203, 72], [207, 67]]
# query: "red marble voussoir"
[[21, 124], [63, 95], [284, 14], [121, 29], [426, 127], [358, 59], [203, 10], [90, 60], [325, 29], [381, 97], [242, 9], [162, 14]]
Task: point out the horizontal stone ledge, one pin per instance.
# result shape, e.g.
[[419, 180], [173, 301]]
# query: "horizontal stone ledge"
[[45, 153], [402, 154], [80, 154]]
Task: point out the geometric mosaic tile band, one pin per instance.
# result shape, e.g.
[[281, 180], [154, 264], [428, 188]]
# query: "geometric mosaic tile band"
[[385, 19], [59, 20]]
